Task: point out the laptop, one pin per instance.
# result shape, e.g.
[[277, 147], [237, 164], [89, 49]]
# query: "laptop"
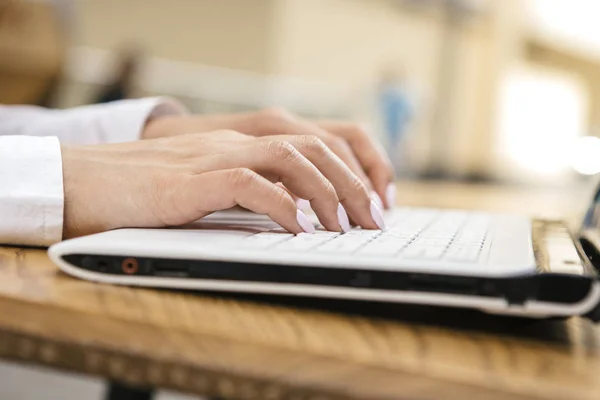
[[497, 263]]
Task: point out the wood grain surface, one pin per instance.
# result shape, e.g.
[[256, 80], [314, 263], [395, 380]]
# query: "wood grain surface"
[[273, 348]]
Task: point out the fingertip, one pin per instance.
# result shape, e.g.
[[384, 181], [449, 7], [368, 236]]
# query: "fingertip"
[[390, 195], [342, 216], [381, 181], [377, 216], [304, 222], [303, 204], [377, 199]]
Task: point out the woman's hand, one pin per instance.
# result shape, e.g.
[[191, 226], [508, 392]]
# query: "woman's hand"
[[176, 180], [348, 141]]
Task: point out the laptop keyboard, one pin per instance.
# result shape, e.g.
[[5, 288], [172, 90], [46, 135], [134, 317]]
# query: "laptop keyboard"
[[412, 234]]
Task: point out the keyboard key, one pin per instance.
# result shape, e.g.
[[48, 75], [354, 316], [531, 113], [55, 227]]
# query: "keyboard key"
[[379, 249], [424, 252], [306, 241], [326, 234], [265, 240], [362, 233], [397, 235], [349, 242], [340, 246], [395, 218], [467, 253], [431, 242]]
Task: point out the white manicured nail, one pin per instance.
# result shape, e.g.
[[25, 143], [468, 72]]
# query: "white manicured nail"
[[390, 195], [377, 199], [303, 204], [304, 222], [377, 215], [343, 218]]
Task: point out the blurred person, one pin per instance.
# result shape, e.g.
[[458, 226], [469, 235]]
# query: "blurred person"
[[123, 83], [33, 41], [396, 110], [66, 173]]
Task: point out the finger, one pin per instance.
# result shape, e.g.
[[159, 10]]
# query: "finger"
[[224, 189], [287, 124], [338, 145], [302, 204], [371, 157], [351, 191], [283, 163], [275, 121], [342, 149]]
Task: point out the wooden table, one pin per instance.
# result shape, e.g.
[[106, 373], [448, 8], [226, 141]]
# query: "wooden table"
[[248, 349]]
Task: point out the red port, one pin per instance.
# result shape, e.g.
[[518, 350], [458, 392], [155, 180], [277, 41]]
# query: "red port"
[[130, 266]]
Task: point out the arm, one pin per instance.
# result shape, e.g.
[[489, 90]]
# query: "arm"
[[171, 182], [31, 169], [120, 121]]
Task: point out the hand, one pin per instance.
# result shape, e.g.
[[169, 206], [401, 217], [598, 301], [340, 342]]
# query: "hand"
[[177, 180], [350, 142]]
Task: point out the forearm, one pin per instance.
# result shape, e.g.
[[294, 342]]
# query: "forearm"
[[31, 166]]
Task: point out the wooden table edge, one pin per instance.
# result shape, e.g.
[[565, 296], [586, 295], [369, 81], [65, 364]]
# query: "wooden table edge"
[[22, 341]]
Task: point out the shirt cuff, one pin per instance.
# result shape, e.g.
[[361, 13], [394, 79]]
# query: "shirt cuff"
[[124, 121], [31, 191]]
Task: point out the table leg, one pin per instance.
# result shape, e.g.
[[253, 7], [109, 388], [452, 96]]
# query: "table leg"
[[120, 391]]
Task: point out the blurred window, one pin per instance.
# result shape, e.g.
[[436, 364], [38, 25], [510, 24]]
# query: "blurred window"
[[571, 22], [541, 116]]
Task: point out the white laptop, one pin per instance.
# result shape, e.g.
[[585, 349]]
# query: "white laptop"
[[497, 263]]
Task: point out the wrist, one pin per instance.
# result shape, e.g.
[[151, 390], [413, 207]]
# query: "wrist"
[[155, 127], [165, 126], [82, 181], [164, 119]]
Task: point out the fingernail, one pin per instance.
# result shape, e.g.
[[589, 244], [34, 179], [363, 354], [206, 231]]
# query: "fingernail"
[[390, 195], [304, 222], [377, 199], [303, 204], [343, 218], [377, 215]]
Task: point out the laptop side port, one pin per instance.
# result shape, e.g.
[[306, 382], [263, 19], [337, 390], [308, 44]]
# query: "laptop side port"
[[130, 266], [105, 264], [518, 290], [443, 284], [170, 268]]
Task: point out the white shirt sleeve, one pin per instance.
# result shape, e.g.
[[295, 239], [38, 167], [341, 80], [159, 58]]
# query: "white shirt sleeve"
[[31, 190], [119, 121], [31, 180]]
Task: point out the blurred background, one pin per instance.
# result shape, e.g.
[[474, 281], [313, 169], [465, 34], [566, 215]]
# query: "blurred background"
[[502, 91], [505, 91]]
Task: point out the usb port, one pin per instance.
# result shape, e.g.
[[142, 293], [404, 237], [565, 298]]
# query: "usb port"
[[171, 268]]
